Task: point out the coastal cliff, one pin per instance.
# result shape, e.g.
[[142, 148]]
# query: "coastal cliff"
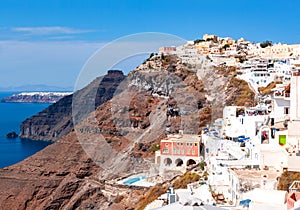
[[116, 136], [56, 120]]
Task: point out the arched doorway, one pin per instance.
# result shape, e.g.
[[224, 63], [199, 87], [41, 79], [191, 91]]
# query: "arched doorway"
[[178, 162], [167, 161], [190, 162]]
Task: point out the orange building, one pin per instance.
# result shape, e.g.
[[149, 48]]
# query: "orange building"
[[179, 150]]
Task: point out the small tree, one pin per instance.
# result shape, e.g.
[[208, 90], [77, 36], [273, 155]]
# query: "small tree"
[[151, 55], [266, 44], [225, 46], [198, 41]]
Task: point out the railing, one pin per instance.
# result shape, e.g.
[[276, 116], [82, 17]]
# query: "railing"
[[295, 186]]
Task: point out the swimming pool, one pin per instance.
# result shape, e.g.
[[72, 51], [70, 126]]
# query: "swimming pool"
[[134, 179], [137, 180]]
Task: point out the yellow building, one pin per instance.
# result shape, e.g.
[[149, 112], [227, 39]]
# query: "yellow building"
[[210, 36]]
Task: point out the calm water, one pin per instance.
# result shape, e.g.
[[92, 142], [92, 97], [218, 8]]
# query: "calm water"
[[11, 116]]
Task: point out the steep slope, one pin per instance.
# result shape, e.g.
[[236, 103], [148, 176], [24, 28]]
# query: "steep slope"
[[113, 138], [56, 120], [48, 179]]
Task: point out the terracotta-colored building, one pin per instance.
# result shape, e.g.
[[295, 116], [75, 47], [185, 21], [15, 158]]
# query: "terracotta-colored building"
[[181, 145], [179, 150]]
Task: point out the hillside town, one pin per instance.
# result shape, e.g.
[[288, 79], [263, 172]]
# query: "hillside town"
[[242, 155], [258, 63]]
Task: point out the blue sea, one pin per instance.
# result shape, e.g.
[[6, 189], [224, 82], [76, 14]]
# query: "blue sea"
[[11, 116]]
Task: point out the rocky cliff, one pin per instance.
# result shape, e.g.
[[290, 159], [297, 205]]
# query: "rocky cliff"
[[115, 136], [56, 120]]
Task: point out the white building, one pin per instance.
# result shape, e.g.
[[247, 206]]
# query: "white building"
[[294, 123], [256, 72], [280, 103], [243, 121]]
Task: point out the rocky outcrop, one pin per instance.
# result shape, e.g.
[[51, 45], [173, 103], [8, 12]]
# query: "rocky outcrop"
[[12, 135], [56, 120]]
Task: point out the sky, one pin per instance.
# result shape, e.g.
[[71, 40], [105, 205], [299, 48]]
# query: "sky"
[[50, 41]]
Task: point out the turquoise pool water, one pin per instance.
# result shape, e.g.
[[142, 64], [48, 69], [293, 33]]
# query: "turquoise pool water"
[[133, 180]]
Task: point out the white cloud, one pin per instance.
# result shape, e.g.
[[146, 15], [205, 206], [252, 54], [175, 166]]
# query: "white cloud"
[[50, 30]]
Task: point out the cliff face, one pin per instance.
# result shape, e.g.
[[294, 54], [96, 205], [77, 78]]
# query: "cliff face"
[[115, 136], [62, 176], [56, 120]]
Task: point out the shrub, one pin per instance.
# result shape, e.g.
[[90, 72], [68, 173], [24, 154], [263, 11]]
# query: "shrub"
[[154, 147], [150, 196], [184, 180], [266, 44]]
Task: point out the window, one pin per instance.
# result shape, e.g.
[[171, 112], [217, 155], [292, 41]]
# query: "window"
[[286, 110], [196, 144], [193, 152], [188, 151], [174, 151], [167, 144], [182, 151], [165, 151]]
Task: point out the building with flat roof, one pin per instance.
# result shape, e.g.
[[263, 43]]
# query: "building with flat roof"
[[178, 151]]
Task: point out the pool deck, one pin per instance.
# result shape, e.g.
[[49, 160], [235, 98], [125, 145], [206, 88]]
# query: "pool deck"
[[142, 182]]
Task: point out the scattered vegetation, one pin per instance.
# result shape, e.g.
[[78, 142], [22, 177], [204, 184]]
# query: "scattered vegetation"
[[226, 70], [156, 191], [149, 100], [150, 196], [225, 46], [202, 165], [205, 174], [241, 58], [185, 179], [154, 147], [267, 90], [208, 58], [286, 179], [266, 44], [243, 96], [211, 39], [198, 41]]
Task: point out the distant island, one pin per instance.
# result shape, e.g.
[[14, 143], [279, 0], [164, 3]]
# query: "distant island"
[[35, 97]]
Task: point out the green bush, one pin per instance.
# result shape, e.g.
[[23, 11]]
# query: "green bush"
[[154, 147]]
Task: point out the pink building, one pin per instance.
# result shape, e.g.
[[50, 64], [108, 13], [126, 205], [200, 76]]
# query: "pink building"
[[179, 150]]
